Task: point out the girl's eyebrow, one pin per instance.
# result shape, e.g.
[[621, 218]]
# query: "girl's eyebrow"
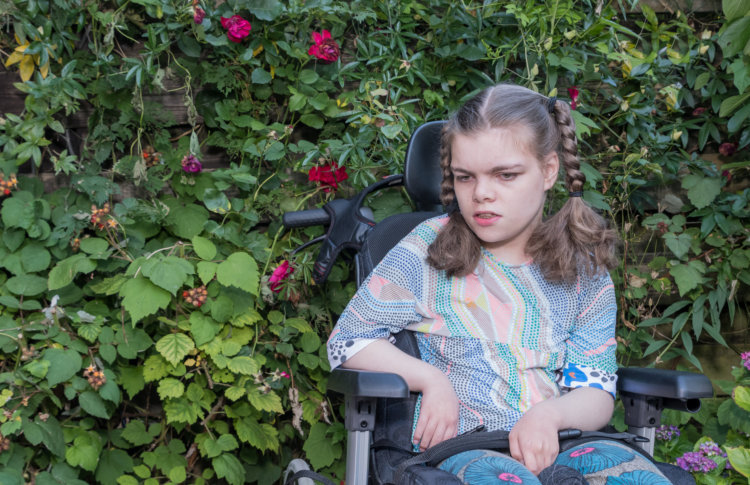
[[498, 168]]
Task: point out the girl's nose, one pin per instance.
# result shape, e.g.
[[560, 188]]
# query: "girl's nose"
[[483, 191]]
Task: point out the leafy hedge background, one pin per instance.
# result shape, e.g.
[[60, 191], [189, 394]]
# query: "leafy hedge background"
[[154, 327]]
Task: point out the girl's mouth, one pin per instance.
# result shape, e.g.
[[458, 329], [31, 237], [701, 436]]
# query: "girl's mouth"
[[486, 218]]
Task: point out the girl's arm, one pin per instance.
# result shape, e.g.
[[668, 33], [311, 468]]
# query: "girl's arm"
[[438, 412], [533, 440]]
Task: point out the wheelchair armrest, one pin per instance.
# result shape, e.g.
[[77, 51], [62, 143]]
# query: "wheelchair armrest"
[[360, 383], [676, 389]]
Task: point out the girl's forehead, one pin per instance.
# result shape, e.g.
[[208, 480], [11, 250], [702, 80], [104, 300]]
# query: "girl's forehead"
[[492, 145]]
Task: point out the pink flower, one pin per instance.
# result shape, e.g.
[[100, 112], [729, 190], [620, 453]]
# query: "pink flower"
[[328, 176], [191, 164], [198, 15], [727, 149], [237, 27], [281, 273], [745, 356], [573, 92], [324, 48]]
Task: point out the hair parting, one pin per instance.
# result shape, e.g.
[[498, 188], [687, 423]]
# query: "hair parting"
[[573, 242]]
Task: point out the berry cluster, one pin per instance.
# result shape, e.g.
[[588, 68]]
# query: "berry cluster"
[[196, 296], [99, 217], [151, 156], [95, 377], [75, 244], [6, 185], [28, 353], [4, 443]]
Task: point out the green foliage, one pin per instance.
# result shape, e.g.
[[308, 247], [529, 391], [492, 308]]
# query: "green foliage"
[[142, 340]]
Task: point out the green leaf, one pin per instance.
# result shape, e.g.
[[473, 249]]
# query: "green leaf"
[[206, 271], [64, 364], [26, 285], [64, 271], [310, 342], [686, 277], [37, 368], [229, 468], [740, 459], [734, 9], [170, 387], [260, 76], [109, 286], [49, 433], [583, 124], [204, 248], [85, 450], [701, 190], [93, 404], [203, 328], [679, 244], [320, 449], [18, 211], [265, 402], [174, 347], [265, 9], [35, 257], [308, 76], [732, 103], [312, 120], [735, 37], [239, 270], [177, 474], [154, 368], [216, 201], [741, 396], [181, 410], [112, 464], [135, 432], [243, 365], [168, 272], [260, 435], [95, 246], [187, 222], [141, 297]]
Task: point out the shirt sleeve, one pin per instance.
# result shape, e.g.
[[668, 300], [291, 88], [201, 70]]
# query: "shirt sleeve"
[[385, 303], [590, 350]]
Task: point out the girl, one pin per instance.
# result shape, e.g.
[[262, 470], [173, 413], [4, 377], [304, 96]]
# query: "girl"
[[514, 316]]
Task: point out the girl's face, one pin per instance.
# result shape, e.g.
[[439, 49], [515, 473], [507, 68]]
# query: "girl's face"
[[501, 187]]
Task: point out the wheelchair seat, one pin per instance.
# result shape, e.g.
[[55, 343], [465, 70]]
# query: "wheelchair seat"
[[379, 406]]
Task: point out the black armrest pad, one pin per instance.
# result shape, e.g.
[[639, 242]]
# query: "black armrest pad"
[[663, 383], [367, 383]]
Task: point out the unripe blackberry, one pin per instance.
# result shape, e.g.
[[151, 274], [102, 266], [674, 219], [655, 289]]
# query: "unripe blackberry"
[[196, 296]]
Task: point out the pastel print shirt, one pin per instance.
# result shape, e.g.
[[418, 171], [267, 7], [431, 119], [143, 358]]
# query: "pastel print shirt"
[[505, 337]]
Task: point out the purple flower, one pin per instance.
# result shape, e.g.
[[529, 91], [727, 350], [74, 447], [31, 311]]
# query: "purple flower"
[[666, 433], [695, 461], [745, 356], [198, 15], [191, 164], [709, 448]]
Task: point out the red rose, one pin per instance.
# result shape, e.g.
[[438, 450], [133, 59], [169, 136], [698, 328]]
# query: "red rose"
[[281, 273], [237, 27], [328, 176], [324, 48], [573, 92]]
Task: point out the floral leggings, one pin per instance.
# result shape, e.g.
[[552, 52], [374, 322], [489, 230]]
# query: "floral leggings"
[[597, 462]]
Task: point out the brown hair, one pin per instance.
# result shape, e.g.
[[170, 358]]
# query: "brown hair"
[[572, 241]]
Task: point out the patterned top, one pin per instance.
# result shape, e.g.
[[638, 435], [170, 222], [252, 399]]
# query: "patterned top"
[[505, 337]]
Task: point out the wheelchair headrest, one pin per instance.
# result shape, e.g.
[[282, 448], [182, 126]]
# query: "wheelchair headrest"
[[422, 174]]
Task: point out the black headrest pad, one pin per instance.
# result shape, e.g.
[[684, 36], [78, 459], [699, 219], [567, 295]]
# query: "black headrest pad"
[[422, 174]]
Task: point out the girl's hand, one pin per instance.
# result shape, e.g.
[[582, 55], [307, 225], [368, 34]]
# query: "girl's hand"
[[438, 413], [533, 440]]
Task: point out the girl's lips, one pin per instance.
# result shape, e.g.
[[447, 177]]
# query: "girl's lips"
[[486, 218]]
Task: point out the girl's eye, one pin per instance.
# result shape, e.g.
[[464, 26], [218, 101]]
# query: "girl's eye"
[[508, 176], [462, 178]]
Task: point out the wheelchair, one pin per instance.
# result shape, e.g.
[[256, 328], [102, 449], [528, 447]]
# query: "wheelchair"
[[379, 407]]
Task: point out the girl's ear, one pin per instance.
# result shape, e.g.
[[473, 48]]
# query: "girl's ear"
[[550, 170]]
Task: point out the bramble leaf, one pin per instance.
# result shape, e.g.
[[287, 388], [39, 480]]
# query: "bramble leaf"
[[174, 347], [239, 270], [141, 297], [319, 448]]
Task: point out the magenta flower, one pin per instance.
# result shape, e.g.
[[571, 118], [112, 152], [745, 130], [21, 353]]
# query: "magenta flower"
[[281, 273], [573, 92], [191, 164], [198, 15], [696, 461], [745, 356], [237, 27], [328, 176], [324, 48]]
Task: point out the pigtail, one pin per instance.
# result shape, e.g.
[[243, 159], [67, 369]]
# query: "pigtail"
[[456, 249], [576, 239]]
